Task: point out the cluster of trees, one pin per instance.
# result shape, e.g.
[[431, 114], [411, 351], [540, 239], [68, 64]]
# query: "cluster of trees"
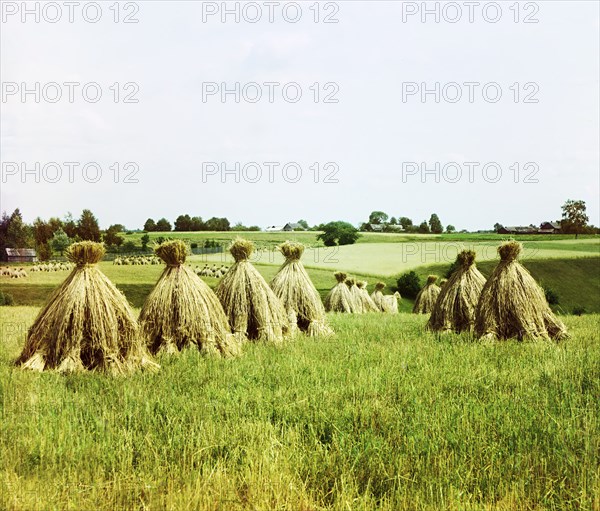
[[390, 224], [187, 223]]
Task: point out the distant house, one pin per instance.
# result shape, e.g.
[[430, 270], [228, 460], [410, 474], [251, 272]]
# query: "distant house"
[[518, 230], [274, 228], [394, 228], [375, 227], [21, 255], [292, 226], [549, 228]]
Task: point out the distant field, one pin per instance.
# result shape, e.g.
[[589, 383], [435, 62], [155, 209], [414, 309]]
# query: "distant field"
[[389, 259], [310, 237]]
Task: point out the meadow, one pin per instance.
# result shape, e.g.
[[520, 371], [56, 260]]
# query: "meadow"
[[382, 416]]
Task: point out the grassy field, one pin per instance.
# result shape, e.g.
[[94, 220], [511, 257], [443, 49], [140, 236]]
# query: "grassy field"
[[382, 416]]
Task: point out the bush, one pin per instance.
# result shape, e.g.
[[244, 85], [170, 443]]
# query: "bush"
[[551, 296], [578, 310], [409, 285], [194, 245], [6, 299]]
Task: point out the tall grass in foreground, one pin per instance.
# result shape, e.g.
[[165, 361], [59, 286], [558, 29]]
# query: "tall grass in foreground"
[[382, 416]]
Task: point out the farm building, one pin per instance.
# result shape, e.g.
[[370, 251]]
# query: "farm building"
[[290, 226], [21, 255], [549, 228]]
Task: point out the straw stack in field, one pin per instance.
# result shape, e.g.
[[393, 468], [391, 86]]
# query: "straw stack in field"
[[252, 308], [87, 323], [385, 303], [182, 311], [297, 293], [357, 305], [454, 310], [426, 298], [368, 305], [339, 298], [512, 304]]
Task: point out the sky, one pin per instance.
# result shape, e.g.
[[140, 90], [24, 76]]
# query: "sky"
[[334, 110]]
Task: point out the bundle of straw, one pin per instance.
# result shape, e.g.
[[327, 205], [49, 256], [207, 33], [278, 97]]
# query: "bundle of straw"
[[297, 293], [253, 310], [385, 303], [340, 299], [182, 311], [368, 305], [426, 298], [357, 305], [454, 309], [87, 323], [512, 304]]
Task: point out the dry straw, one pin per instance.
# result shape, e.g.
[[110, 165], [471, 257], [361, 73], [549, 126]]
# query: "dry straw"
[[385, 303], [357, 305], [513, 305], [340, 298], [87, 323], [454, 309], [252, 308], [368, 305], [182, 311], [297, 293], [426, 298]]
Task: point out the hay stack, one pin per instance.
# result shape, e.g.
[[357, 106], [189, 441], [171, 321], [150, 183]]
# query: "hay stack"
[[512, 304], [87, 323], [253, 310], [426, 298], [455, 307], [297, 293], [182, 311], [340, 299], [368, 305], [385, 303], [357, 305]]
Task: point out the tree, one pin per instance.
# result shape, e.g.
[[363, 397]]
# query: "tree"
[[574, 219], [163, 225], [338, 233], [497, 227], [183, 223], [87, 226], [409, 285], [217, 224], [197, 224], [435, 225], [303, 224], [423, 227], [18, 233], [450, 229], [60, 241], [393, 221], [111, 236], [405, 222], [150, 225], [145, 240], [69, 226], [378, 217]]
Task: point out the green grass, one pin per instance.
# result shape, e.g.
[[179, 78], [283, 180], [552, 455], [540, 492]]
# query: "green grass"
[[383, 416]]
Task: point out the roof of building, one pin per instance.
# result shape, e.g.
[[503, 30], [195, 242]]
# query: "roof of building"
[[20, 252]]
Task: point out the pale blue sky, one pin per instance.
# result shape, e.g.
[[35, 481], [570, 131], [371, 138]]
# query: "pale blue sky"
[[369, 133]]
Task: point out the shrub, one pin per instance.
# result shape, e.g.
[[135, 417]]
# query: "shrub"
[[194, 245], [6, 299], [578, 310], [551, 296], [409, 285]]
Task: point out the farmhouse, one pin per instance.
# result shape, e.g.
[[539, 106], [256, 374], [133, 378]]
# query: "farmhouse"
[[290, 226], [545, 228], [21, 255], [549, 228]]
